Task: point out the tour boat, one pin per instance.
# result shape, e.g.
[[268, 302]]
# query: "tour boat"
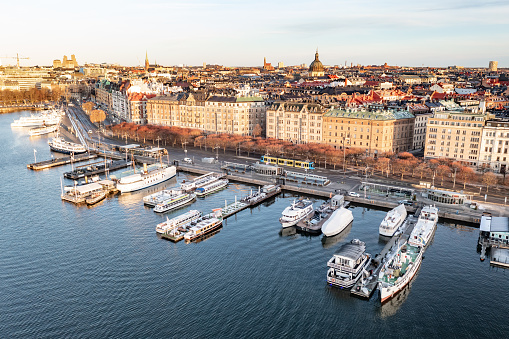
[[58, 144], [296, 212], [156, 198], [392, 221], [203, 227], [200, 181], [42, 130], [153, 175], [95, 197], [174, 202], [211, 188], [182, 220], [42, 119], [348, 264], [425, 227], [337, 222]]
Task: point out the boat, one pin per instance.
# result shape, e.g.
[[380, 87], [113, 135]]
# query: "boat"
[[392, 221], [174, 202], [348, 264], [42, 130], [35, 120], [95, 197], [399, 270], [58, 144], [337, 222], [296, 212], [211, 188], [149, 176], [200, 181], [156, 198], [263, 193], [425, 226], [94, 178], [203, 227], [321, 215], [181, 221]]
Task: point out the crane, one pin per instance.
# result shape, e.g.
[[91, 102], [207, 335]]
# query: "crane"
[[17, 57]]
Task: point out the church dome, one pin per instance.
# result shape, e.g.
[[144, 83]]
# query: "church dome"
[[316, 65]]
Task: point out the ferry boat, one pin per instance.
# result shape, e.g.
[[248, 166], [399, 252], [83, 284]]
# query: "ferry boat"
[[425, 227], [348, 264], [399, 270], [200, 181], [146, 178], [174, 202], [337, 222], [392, 221], [203, 227], [58, 144], [45, 118], [296, 212], [42, 130], [182, 220], [211, 188], [263, 193], [156, 198]]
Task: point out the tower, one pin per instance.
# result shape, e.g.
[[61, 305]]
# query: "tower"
[[146, 61]]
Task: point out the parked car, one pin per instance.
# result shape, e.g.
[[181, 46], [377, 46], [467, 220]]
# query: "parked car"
[[354, 194], [188, 160], [406, 202]]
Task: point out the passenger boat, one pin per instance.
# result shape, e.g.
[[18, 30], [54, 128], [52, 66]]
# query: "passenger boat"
[[392, 221], [95, 197], [321, 215], [94, 178], [58, 144], [42, 130], [200, 181], [399, 270], [296, 212], [263, 193], [211, 188], [425, 227], [149, 176], [156, 198], [348, 264], [203, 227], [337, 222], [174, 202], [42, 119], [181, 221]]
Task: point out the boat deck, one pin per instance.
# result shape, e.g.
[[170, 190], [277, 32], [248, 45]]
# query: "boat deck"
[[173, 237], [97, 169], [411, 255]]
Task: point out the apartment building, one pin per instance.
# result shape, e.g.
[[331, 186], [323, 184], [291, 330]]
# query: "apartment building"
[[421, 120], [494, 149], [295, 122]]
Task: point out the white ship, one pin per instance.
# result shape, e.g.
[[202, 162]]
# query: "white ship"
[[211, 188], [200, 181], [296, 212], [203, 227], [42, 130], [425, 227], [174, 202], [392, 221], [156, 198], [153, 175], [183, 221], [42, 119], [337, 222], [58, 144], [348, 264]]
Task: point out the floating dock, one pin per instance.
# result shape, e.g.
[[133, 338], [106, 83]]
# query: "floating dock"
[[95, 169], [37, 166]]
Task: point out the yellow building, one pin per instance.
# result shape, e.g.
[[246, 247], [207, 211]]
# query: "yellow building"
[[372, 129], [295, 122]]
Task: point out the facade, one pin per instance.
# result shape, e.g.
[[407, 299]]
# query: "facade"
[[419, 138], [295, 122], [455, 135], [494, 148], [373, 129]]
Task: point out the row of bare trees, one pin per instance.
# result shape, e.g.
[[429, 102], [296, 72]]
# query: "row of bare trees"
[[29, 96]]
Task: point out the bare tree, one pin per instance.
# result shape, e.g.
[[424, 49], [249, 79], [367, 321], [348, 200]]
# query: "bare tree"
[[489, 179]]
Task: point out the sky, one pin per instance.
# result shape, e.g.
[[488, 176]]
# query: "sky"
[[241, 33]]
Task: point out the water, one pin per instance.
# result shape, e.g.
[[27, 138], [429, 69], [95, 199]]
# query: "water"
[[68, 271]]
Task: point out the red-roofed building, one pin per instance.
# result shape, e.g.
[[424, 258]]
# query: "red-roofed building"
[[138, 107]]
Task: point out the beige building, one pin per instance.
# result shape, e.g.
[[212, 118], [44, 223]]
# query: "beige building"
[[373, 129], [295, 122], [494, 148], [455, 135]]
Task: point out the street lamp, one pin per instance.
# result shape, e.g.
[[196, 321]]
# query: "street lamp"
[[344, 157]]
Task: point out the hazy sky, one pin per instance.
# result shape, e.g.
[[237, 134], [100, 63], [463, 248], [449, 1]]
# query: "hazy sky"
[[241, 33]]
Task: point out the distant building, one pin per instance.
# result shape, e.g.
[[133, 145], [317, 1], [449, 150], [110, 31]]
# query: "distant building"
[[267, 65], [316, 68], [495, 145], [66, 63], [146, 62], [493, 66], [280, 65]]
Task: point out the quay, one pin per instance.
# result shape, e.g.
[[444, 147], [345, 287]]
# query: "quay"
[[95, 169], [37, 166]]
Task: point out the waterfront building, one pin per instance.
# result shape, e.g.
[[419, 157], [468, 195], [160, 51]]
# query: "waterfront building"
[[316, 68], [373, 129], [455, 135], [419, 138], [295, 122], [494, 148]]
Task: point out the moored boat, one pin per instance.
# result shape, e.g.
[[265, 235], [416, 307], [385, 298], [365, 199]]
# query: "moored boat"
[[156, 198], [296, 212], [200, 181], [203, 227], [321, 215], [337, 222], [95, 197], [42, 119], [58, 144], [392, 221], [212, 187], [174, 202], [180, 221], [348, 264], [425, 227], [42, 130], [149, 176], [263, 193]]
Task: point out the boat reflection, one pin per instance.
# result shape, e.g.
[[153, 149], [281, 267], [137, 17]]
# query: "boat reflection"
[[287, 231], [392, 306], [207, 236], [328, 242]]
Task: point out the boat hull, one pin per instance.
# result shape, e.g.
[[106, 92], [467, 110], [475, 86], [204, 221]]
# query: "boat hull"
[[386, 232], [210, 230], [387, 293], [290, 223], [142, 184], [65, 151], [339, 220], [184, 202], [215, 189]]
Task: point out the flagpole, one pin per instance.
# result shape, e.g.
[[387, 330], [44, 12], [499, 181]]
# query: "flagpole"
[[35, 157]]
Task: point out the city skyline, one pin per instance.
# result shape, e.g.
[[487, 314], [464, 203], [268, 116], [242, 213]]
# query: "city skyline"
[[240, 33]]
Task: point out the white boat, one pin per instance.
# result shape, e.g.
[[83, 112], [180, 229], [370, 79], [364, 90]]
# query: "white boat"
[[211, 188], [41, 119], [263, 193], [42, 130], [156, 198], [182, 220], [94, 198], [174, 202], [149, 176], [425, 227], [348, 264], [203, 227], [296, 212], [337, 222], [94, 178], [321, 215], [392, 221], [200, 181], [58, 144]]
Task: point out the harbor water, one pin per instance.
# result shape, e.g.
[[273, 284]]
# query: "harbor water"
[[101, 271]]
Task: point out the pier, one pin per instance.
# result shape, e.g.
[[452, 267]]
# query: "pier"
[[95, 169], [37, 166]]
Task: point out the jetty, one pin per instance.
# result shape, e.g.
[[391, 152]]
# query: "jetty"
[[41, 165], [95, 169]]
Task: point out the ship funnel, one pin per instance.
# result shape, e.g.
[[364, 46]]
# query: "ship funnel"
[[145, 168]]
